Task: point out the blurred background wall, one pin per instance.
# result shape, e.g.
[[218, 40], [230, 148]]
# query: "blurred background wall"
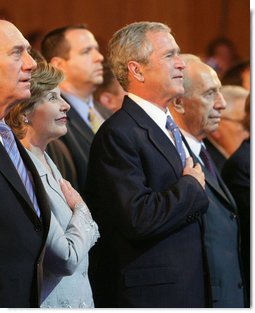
[[194, 23]]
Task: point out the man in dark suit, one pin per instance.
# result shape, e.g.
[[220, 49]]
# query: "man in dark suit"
[[146, 200], [236, 174], [23, 231], [75, 51], [198, 112]]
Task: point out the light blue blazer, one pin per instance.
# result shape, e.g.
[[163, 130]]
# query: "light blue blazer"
[[70, 237]]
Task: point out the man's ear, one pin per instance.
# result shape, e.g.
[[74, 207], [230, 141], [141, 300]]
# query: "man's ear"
[[136, 70], [178, 105], [58, 63], [105, 98]]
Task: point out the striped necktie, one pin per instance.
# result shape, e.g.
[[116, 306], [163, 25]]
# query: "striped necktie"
[[13, 152], [170, 125]]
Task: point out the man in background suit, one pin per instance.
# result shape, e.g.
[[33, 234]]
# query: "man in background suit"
[[236, 174], [109, 94], [23, 232], [146, 198], [198, 112], [75, 51]]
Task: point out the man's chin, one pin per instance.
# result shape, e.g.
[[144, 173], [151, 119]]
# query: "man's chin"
[[99, 80], [213, 128], [179, 91], [25, 95]]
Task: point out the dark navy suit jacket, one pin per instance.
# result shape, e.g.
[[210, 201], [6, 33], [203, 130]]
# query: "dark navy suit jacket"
[[236, 175], [22, 235], [150, 250], [221, 240]]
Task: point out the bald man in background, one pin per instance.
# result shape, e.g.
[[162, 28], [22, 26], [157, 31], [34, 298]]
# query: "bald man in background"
[[197, 112]]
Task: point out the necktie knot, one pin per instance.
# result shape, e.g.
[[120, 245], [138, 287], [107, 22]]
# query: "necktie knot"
[[170, 124], [4, 128], [7, 136]]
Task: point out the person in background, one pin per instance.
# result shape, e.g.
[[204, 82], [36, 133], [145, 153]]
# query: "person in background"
[[36, 122], [239, 74], [197, 112], [224, 141], [236, 174], [109, 94], [24, 210], [221, 54], [143, 190], [74, 50]]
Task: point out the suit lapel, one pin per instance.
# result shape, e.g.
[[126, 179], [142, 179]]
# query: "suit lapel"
[[216, 184], [225, 189], [9, 171], [155, 134], [51, 182], [78, 123]]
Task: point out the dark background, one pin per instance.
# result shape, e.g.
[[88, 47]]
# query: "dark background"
[[194, 23]]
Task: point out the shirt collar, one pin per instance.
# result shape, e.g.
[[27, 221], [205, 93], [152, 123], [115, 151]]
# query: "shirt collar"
[[195, 145], [80, 106], [158, 116]]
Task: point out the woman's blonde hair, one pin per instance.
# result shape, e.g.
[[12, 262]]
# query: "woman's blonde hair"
[[44, 78]]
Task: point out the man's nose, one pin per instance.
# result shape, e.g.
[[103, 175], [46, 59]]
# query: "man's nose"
[[28, 62], [220, 102]]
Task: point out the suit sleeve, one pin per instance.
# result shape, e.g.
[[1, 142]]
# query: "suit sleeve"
[[118, 191]]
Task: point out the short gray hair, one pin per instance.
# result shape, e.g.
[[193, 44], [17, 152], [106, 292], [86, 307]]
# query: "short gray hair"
[[231, 93], [131, 44], [189, 60]]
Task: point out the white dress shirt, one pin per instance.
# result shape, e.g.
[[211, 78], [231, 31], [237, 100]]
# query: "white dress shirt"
[[195, 145], [157, 115]]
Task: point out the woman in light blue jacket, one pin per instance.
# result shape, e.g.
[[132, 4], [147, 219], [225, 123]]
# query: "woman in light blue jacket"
[[73, 232]]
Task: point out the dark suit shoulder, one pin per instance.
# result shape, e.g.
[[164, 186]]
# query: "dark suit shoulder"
[[237, 167], [218, 158]]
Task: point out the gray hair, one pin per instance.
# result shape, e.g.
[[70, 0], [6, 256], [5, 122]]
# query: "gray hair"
[[189, 60], [131, 44], [231, 93]]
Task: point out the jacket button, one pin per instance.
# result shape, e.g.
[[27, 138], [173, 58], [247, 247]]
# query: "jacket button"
[[37, 227], [233, 216]]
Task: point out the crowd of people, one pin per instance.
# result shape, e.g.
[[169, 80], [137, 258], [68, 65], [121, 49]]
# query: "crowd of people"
[[124, 179]]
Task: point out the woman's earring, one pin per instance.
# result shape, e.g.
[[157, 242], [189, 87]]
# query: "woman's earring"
[[25, 120]]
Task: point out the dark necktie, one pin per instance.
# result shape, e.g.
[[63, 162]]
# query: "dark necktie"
[[206, 158], [170, 125], [13, 152]]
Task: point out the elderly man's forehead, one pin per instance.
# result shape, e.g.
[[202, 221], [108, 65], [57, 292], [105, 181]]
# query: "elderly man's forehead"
[[11, 36]]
